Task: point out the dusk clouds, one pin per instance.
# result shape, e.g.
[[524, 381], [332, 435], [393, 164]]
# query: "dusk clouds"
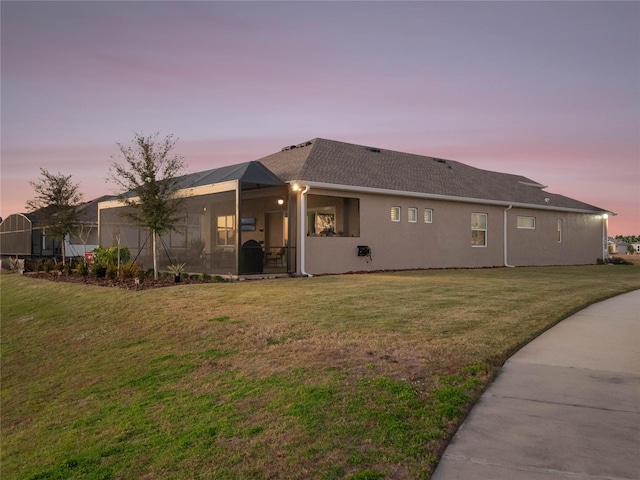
[[549, 90]]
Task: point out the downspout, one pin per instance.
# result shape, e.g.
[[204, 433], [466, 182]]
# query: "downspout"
[[303, 230], [605, 237], [506, 264]]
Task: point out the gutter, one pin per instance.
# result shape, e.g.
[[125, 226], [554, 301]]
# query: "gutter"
[[506, 264], [435, 196]]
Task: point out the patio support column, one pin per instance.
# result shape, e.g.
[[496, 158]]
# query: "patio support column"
[[238, 234]]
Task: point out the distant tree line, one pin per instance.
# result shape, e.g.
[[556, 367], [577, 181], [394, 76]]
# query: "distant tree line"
[[629, 238]]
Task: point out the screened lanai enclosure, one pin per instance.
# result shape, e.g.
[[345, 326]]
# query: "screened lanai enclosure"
[[236, 221]]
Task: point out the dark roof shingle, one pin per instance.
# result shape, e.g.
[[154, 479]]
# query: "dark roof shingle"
[[339, 163]]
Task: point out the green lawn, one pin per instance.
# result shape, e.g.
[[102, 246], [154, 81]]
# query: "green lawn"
[[334, 377]]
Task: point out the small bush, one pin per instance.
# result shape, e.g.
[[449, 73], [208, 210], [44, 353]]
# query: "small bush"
[[141, 275], [619, 261], [82, 268], [206, 277], [613, 261], [16, 265], [130, 270], [99, 271], [49, 265], [109, 256], [111, 272]]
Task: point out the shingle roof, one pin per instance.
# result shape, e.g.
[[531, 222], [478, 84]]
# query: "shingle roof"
[[332, 162], [253, 173], [87, 212]]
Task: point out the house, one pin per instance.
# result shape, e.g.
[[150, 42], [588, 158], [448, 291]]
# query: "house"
[[618, 246], [25, 234], [325, 206]]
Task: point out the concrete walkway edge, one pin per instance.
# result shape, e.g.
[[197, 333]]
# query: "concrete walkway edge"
[[566, 406]]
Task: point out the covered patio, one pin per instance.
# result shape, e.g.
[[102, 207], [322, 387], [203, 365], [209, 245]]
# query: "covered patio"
[[237, 221]]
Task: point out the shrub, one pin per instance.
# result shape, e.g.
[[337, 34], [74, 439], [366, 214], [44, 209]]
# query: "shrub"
[[141, 275], [130, 270], [619, 261], [38, 265], [111, 272], [109, 256], [98, 270], [176, 268], [66, 268], [613, 261], [82, 268], [49, 265], [16, 264], [206, 277]]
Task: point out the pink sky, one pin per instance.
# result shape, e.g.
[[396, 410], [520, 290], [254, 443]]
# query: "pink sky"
[[549, 90]]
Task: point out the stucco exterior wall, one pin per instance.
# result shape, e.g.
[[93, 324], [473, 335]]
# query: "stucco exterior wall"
[[446, 242], [581, 239]]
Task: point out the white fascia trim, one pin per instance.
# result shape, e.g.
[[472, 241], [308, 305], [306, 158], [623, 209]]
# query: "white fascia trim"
[[534, 184], [183, 193], [110, 204], [434, 196]]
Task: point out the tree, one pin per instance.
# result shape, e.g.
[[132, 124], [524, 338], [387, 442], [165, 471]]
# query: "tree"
[[147, 175], [56, 203]]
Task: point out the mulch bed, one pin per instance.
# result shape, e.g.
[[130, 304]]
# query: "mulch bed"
[[128, 284]]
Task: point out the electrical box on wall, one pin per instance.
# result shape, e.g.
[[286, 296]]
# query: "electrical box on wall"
[[364, 251]]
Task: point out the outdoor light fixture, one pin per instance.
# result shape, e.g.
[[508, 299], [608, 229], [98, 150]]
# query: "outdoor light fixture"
[[605, 216], [281, 201], [295, 187]]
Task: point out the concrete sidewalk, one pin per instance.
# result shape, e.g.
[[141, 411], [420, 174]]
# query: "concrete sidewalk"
[[566, 406]]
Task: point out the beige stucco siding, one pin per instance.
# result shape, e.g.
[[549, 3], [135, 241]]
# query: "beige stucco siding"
[[581, 238], [446, 242]]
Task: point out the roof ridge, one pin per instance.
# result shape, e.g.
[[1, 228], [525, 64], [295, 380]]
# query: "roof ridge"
[[305, 166]]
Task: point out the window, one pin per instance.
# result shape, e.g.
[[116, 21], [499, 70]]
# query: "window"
[[412, 215], [428, 215], [559, 230], [226, 233], [395, 214], [528, 223], [479, 229]]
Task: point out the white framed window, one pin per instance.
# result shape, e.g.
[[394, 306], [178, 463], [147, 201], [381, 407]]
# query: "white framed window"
[[559, 230], [528, 223], [428, 215], [478, 229], [412, 215], [395, 214], [226, 230]]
